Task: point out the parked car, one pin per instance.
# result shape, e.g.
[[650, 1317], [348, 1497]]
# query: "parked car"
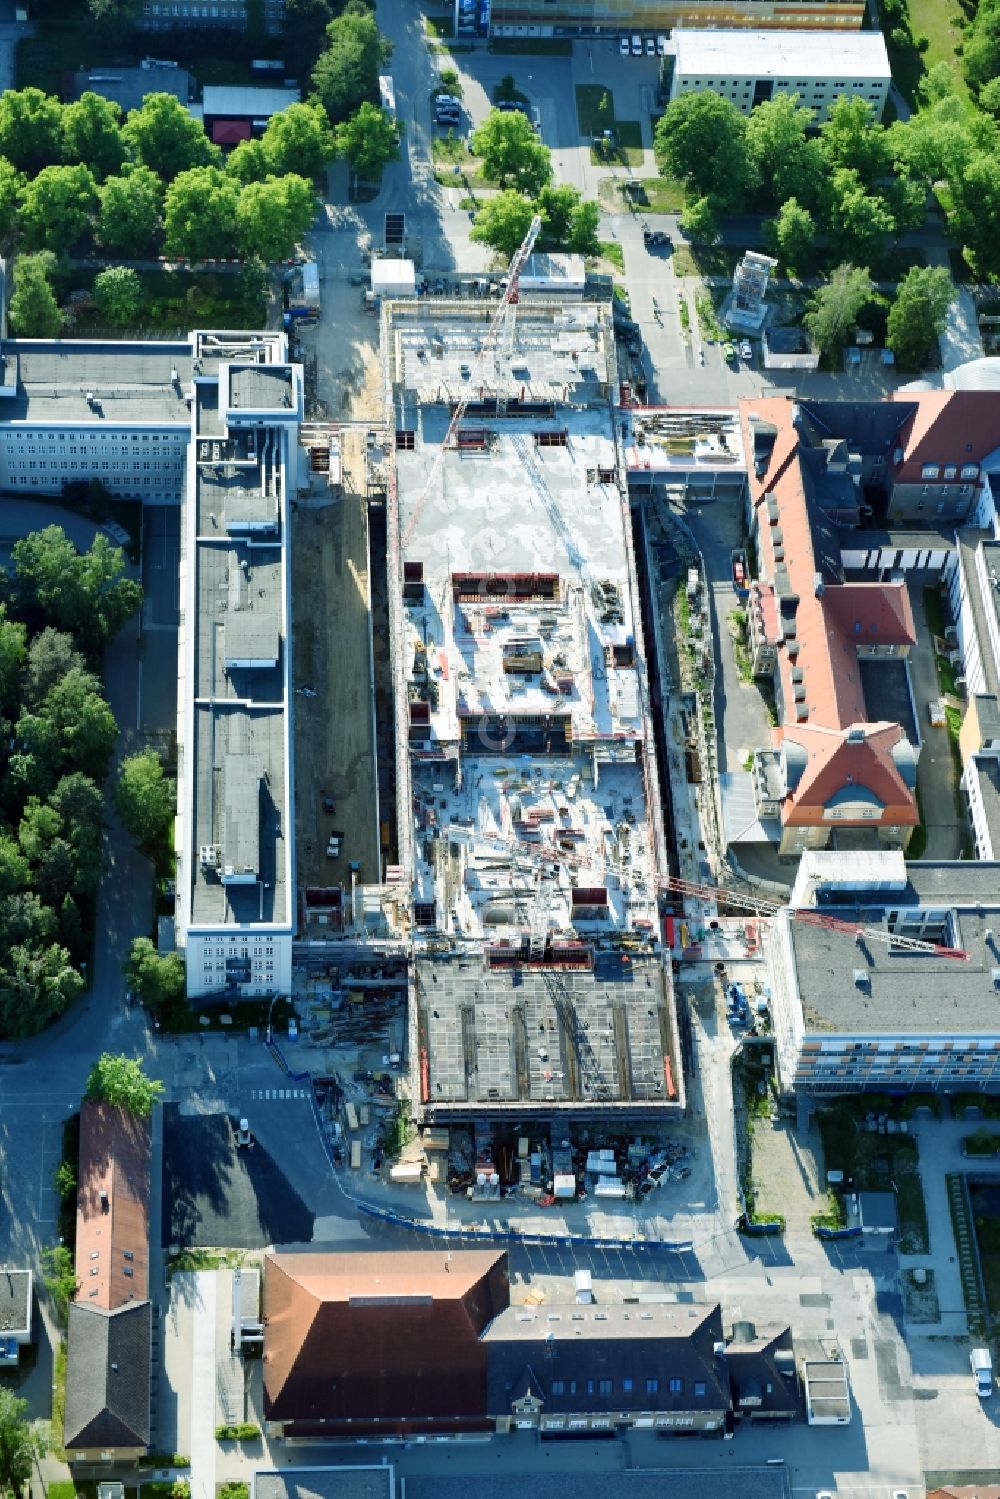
[[623, 46], [729, 353], [746, 350], [650, 46], [637, 46], [661, 45]]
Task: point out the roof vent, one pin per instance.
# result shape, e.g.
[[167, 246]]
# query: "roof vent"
[[861, 979], [996, 978]]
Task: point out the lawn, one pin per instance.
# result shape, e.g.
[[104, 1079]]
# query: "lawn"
[[173, 301], [588, 108], [619, 155], [874, 1162], [454, 164], [933, 19], [612, 250], [663, 194]]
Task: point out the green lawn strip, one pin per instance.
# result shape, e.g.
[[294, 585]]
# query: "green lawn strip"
[[940, 21], [588, 113], [621, 156], [612, 250]]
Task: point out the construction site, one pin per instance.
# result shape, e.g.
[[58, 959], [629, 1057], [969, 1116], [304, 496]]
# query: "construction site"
[[529, 822]]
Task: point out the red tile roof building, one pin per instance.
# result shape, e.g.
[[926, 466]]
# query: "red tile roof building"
[[841, 770]]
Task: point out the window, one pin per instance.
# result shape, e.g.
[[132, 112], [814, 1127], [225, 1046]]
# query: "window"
[[605, 1386], [929, 471], [699, 1387], [970, 470], [590, 1386], [675, 1386], [558, 1387], [652, 1386], [626, 1387]]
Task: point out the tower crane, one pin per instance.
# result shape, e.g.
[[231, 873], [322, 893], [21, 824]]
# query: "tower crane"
[[502, 320], [808, 916]]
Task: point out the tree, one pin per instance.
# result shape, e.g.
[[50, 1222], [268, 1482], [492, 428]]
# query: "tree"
[[785, 161], [859, 222], [834, 307], [702, 139], [700, 220], [10, 192], [369, 139], [131, 210], [19, 1444], [975, 212], [918, 315], [57, 207], [34, 311], [13, 650], [51, 655], [299, 139], [83, 593], [305, 30], [989, 97], [120, 1081], [582, 238], [30, 129], [200, 214], [273, 216], [511, 152], [981, 45], [145, 798], [556, 205], [850, 137], [14, 870], [59, 1272], [92, 134], [37, 983], [502, 222], [74, 724], [347, 72], [78, 801], [158, 979], [118, 295], [792, 235], [163, 136], [448, 82], [115, 16], [249, 162]]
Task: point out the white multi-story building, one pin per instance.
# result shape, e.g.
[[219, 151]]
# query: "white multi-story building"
[[78, 411], [750, 67], [210, 423], [235, 914]]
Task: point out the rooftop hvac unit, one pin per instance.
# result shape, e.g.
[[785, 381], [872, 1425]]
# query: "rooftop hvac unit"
[[861, 980], [209, 856], [996, 978]]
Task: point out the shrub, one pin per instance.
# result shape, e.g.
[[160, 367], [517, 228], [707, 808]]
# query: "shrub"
[[242, 1431]]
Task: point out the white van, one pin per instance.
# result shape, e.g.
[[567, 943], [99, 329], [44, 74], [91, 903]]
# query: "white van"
[[982, 1371]]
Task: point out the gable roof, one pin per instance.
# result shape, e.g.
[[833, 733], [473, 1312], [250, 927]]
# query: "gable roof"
[[108, 1376], [378, 1336], [112, 1230], [839, 767], [568, 1350], [951, 426], [762, 1373]]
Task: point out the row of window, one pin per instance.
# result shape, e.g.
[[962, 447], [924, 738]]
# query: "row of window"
[[674, 1385], [949, 471], [106, 465], [129, 482], [220, 12], [27, 434]]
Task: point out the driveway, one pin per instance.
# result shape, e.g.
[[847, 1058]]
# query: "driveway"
[[936, 778]]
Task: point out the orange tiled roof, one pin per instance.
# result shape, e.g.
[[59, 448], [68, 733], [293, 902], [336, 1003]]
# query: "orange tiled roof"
[[112, 1215]]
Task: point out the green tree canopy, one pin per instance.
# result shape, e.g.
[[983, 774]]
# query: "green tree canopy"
[[369, 139], [273, 216], [511, 152], [37, 983], [791, 235], [702, 139], [51, 654], [57, 207], [131, 210], [30, 129], [299, 140], [249, 162], [852, 138], [120, 1081], [10, 196], [700, 219], [34, 311], [918, 315], [118, 295], [92, 134], [13, 653], [200, 214], [502, 222], [19, 1444], [145, 798], [115, 16], [346, 73], [858, 222], [981, 45], [975, 212], [582, 238], [72, 729], [834, 308], [166, 138], [556, 204], [158, 979], [784, 160], [85, 593]]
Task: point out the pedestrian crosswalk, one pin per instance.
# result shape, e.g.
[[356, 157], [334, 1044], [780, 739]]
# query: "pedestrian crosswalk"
[[273, 1094]]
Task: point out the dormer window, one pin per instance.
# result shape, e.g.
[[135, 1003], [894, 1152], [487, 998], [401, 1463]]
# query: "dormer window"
[[930, 471]]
